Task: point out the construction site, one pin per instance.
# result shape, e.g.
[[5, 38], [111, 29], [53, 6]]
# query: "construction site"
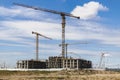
[[55, 62], [59, 40], [62, 61]]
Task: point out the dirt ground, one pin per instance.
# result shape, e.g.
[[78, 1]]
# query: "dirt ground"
[[59, 75]]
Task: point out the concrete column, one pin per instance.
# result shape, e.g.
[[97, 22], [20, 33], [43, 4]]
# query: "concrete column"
[[73, 64], [27, 64], [66, 63], [77, 64], [21, 65], [18, 65], [24, 64], [63, 63], [70, 63]]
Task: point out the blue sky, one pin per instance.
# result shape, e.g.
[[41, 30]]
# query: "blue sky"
[[99, 26]]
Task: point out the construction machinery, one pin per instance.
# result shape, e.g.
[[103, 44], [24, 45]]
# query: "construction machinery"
[[73, 53], [65, 60], [62, 14], [66, 46], [37, 42], [101, 61]]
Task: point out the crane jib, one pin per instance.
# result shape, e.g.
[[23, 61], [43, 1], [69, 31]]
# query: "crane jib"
[[47, 10]]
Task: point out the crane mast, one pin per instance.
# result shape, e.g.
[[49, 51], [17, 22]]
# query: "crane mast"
[[37, 43], [62, 14], [63, 35]]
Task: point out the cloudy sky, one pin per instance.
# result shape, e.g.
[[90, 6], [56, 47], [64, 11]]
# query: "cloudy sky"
[[98, 26]]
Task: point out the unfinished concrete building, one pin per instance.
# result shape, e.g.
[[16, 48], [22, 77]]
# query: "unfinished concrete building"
[[31, 64], [71, 63], [55, 62]]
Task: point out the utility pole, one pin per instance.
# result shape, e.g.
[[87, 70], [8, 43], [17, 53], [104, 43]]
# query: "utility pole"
[[37, 42], [62, 14]]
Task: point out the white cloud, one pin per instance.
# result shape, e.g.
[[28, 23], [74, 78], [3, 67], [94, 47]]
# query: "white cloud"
[[16, 11], [11, 53], [107, 55], [11, 45], [18, 30], [89, 10]]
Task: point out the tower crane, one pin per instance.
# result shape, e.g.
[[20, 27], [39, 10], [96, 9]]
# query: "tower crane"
[[37, 42], [66, 45], [101, 60], [62, 14]]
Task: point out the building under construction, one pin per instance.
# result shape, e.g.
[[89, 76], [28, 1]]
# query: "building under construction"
[[71, 63], [31, 64], [55, 62]]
